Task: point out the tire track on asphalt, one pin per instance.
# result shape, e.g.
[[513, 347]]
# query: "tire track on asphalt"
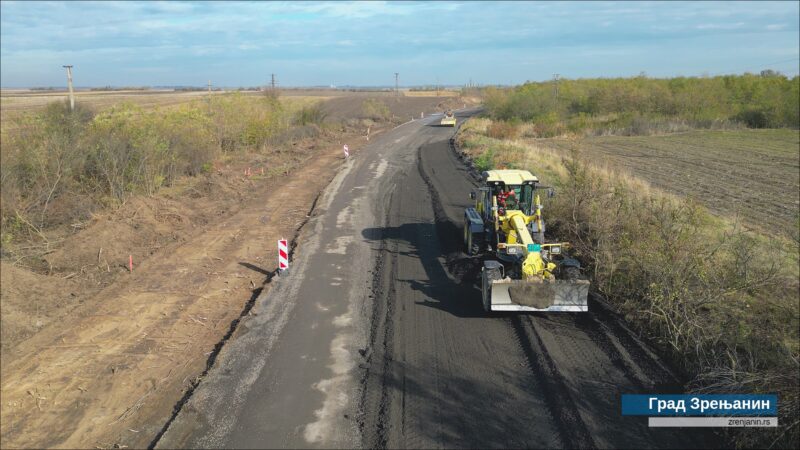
[[573, 430]]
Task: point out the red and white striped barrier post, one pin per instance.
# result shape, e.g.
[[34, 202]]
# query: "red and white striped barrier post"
[[346, 151], [283, 256]]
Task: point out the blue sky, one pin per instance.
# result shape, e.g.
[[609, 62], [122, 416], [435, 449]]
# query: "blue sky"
[[364, 43]]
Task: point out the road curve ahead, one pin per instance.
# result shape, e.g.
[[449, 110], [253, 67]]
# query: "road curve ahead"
[[377, 338]]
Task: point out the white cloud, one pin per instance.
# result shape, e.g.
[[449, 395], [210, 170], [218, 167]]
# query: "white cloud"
[[719, 26]]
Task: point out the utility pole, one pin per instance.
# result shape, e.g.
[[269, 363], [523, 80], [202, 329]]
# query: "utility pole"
[[396, 84], [555, 88], [69, 84], [209, 87], [437, 86], [273, 82]]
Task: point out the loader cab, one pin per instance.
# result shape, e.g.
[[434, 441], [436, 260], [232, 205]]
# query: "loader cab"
[[522, 182], [523, 195]]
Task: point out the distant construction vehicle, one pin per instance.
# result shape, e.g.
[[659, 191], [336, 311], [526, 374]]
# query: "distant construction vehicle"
[[529, 274], [449, 119]]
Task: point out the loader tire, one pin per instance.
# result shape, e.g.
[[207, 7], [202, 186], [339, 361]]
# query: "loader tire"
[[468, 239], [472, 245]]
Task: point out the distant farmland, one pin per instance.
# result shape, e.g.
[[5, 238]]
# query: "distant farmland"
[[752, 174], [15, 101]]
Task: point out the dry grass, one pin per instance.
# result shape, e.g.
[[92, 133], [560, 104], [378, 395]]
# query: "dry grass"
[[296, 102], [14, 103], [440, 93]]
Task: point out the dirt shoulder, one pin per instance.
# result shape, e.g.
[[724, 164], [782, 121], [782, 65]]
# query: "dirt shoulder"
[[113, 369]]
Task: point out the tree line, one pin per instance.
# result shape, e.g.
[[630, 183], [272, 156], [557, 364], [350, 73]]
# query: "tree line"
[[765, 100]]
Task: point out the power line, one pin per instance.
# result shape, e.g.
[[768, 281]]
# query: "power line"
[[760, 66]]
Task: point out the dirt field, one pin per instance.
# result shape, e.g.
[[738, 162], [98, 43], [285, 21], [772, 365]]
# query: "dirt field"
[[440, 93], [750, 174], [13, 101], [403, 108], [93, 355]]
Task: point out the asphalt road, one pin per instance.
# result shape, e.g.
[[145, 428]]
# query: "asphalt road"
[[377, 338]]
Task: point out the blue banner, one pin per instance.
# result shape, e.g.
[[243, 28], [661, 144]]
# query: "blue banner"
[[655, 405]]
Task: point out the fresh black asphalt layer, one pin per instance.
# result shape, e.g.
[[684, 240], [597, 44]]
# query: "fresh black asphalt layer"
[[377, 338]]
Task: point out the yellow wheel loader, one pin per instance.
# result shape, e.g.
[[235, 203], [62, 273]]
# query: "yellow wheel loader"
[[449, 119], [528, 274]]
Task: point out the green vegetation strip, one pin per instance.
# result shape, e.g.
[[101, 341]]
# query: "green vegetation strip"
[[642, 105]]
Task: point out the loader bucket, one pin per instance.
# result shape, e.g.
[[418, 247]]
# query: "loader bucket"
[[555, 296]]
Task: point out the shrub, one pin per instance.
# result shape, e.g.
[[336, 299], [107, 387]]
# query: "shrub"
[[57, 155], [721, 301], [187, 131], [41, 160], [375, 109], [126, 152], [311, 115], [502, 130], [485, 161], [768, 100], [753, 118], [239, 122]]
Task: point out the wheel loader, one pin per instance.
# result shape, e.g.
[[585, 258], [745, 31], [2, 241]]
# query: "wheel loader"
[[521, 270], [449, 119]]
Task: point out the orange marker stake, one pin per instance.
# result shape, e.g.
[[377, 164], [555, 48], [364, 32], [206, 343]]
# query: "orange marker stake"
[[130, 263]]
